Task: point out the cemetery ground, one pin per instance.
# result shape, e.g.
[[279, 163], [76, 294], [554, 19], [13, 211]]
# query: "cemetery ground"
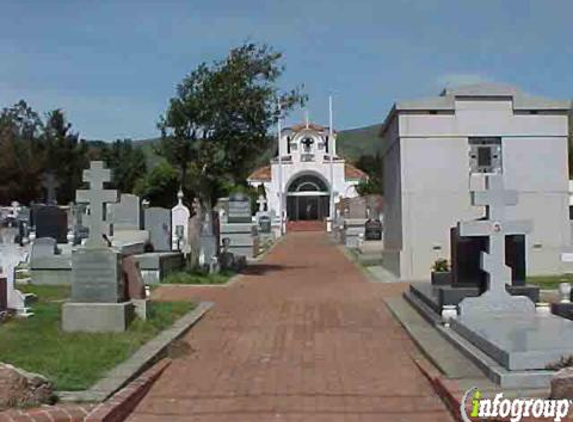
[[303, 336], [75, 361]]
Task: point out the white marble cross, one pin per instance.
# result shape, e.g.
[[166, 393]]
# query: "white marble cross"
[[496, 228], [262, 201], [97, 197], [50, 182]]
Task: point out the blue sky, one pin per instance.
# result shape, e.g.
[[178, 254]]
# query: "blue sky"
[[113, 65]]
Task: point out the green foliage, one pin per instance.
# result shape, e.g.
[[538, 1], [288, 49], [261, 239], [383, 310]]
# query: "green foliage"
[[354, 143], [127, 163], [20, 154], [550, 281], [373, 165], [217, 124], [74, 361], [159, 186], [65, 155], [441, 265], [197, 277]]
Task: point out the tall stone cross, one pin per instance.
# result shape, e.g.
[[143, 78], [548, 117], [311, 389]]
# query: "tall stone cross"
[[496, 228], [97, 197], [50, 182]]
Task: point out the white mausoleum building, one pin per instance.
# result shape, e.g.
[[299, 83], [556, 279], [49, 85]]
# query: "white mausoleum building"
[[305, 174], [435, 150]]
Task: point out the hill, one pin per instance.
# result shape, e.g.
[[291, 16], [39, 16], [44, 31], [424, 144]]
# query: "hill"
[[352, 144]]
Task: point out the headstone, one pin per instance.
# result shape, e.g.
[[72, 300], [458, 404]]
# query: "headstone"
[[97, 196], [264, 224], [99, 297], [466, 260], [495, 300], [180, 215], [52, 221], [125, 215], [158, 224], [372, 230], [10, 256], [43, 247], [50, 183], [239, 209]]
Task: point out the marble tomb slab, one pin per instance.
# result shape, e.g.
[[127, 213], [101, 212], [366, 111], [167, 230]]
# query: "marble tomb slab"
[[519, 341]]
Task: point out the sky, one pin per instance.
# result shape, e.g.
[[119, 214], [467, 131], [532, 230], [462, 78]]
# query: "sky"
[[113, 65]]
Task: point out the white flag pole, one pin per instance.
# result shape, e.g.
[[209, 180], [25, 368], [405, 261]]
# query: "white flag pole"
[[331, 154]]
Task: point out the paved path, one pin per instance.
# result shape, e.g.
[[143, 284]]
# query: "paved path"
[[304, 337]]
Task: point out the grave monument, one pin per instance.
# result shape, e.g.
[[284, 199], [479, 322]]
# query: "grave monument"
[[98, 302]]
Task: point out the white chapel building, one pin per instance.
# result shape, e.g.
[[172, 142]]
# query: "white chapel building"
[[306, 172], [435, 149]]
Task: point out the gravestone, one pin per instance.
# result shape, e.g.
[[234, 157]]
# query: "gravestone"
[[98, 301], [180, 216], [125, 215], [52, 221], [10, 256], [50, 183], [158, 224], [3, 295], [48, 264], [373, 230], [264, 224], [239, 209], [495, 299], [466, 260]]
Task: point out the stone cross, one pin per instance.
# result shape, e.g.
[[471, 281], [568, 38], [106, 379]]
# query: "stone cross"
[[262, 201], [496, 228], [50, 182], [97, 197]]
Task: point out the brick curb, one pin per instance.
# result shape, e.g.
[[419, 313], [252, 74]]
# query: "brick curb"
[[116, 409], [123, 373]]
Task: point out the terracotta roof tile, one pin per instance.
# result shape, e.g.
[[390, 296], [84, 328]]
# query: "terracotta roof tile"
[[262, 174], [353, 173]]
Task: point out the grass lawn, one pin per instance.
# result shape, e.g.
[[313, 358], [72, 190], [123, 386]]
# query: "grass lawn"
[[198, 278], [75, 361], [550, 281]]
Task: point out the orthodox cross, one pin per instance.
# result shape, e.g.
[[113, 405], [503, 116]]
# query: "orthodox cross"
[[262, 203], [496, 228], [50, 182], [97, 197]]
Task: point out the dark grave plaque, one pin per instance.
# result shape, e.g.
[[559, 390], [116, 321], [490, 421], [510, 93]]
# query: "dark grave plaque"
[[373, 230], [52, 221], [265, 224], [239, 209], [466, 256]]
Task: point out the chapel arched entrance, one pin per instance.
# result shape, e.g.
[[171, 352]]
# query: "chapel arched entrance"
[[308, 199]]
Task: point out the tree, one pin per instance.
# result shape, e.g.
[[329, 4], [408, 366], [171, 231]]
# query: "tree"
[[20, 154], [126, 162], [65, 154], [159, 186], [218, 122], [373, 165]]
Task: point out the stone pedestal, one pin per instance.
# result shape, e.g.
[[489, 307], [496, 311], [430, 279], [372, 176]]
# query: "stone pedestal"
[[244, 238], [97, 317], [97, 276]]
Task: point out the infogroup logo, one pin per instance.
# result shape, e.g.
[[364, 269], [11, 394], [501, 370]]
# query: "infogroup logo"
[[515, 409]]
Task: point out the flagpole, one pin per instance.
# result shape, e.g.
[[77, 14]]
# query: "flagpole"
[[280, 169], [331, 150]]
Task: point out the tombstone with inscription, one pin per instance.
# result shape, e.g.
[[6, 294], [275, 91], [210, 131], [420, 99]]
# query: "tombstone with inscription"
[[239, 227], [158, 224], [11, 255], [98, 302], [373, 230]]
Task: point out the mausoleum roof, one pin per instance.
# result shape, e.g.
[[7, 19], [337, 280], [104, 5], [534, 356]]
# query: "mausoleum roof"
[[264, 174]]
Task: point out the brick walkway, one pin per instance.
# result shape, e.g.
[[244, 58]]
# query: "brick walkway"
[[303, 337]]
